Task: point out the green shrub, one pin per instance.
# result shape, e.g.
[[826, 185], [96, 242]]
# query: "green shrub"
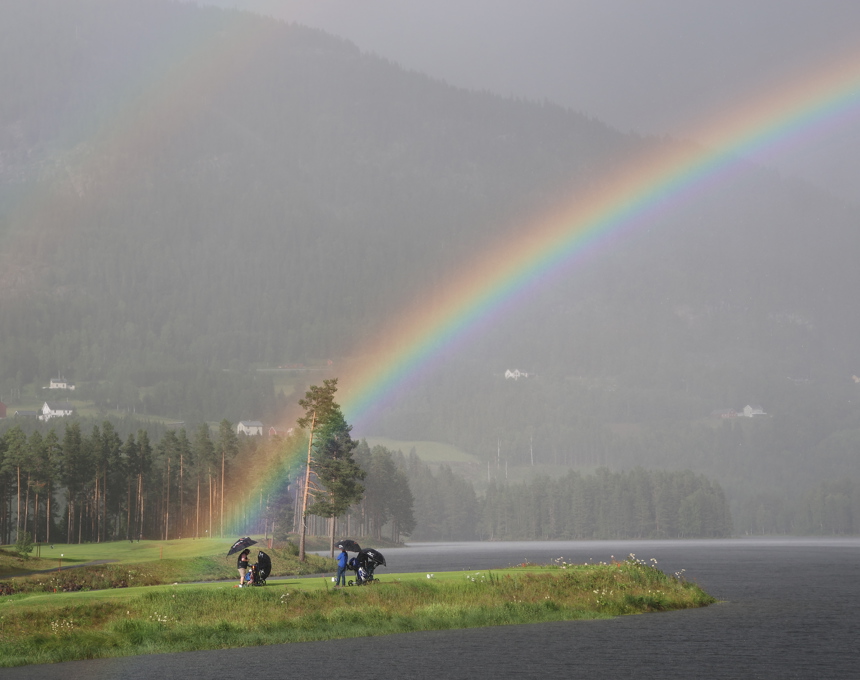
[[24, 544]]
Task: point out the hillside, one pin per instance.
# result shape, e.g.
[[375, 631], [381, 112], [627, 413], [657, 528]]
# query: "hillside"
[[189, 194]]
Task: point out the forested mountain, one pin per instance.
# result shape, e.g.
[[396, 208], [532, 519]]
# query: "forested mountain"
[[188, 194]]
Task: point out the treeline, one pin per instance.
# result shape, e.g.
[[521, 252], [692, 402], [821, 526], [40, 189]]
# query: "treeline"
[[552, 420], [634, 504], [94, 486], [830, 508]]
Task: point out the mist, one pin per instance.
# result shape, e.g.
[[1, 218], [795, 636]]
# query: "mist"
[[655, 67], [205, 209]]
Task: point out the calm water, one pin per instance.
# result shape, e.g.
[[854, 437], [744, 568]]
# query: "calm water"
[[789, 609]]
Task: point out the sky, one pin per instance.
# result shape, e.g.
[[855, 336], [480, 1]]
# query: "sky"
[[648, 66]]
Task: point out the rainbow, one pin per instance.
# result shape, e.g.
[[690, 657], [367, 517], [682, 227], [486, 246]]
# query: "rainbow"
[[641, 190], [644, 188]]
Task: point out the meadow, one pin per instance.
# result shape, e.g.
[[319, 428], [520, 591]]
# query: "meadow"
[[47, 627]]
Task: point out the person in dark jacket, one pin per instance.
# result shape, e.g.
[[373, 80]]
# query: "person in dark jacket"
[[341, 568], [242, 565]]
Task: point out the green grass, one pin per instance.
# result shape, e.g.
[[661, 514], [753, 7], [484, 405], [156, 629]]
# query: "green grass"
[[53, 627], [123, 552], [147, 563]]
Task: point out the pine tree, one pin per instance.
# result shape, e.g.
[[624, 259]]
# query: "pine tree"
[[323, 415]]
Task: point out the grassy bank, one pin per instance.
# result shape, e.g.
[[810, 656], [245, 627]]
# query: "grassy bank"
[[53, 627], [148, 563]]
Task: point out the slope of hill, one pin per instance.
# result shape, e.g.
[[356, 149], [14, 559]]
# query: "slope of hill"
[[187, 190]]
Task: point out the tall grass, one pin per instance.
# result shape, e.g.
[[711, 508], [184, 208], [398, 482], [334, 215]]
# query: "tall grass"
[[194, 617]]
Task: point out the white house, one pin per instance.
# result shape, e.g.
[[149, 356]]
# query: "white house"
[[752, 411], [56, 409], [250, 427], [516, 374], [60, 384]]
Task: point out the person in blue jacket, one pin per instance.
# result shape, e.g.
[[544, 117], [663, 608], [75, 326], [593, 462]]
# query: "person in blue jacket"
[[341, 569]]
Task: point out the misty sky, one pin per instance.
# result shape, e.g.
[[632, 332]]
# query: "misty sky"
[[653, 66]]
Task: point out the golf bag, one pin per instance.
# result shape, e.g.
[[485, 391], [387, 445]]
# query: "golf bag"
[[364, 565], [259, 572]]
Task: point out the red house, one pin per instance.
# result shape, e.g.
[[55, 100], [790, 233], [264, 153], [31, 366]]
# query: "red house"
[[2, 410]]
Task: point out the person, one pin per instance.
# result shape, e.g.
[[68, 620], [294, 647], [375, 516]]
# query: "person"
[[341, 568], [242, 565]]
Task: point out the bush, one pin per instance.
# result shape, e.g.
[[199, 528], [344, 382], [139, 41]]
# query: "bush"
[[24, 544]]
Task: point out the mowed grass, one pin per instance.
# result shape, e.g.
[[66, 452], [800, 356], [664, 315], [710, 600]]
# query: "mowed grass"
[[52, 627], [100, 567], [121, 552]]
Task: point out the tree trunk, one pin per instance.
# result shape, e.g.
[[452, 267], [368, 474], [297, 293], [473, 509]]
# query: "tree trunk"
[[26, 505], [303, 529], [18, 507], [222, 492], [197, 514], [167, 506], [104, 506], [128, 532]]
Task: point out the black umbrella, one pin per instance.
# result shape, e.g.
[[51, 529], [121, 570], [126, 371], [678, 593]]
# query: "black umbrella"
[[349, 545], [373, 555], [241, 544]]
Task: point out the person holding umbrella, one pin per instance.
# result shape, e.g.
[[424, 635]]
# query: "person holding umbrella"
[[242, 562], [341, 568], [242, 565]]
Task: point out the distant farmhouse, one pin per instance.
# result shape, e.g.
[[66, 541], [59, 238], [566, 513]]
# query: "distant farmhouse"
[[753, 411], [747, 411], [60, 384], [56, 409], [2, 410], [515, 374], [250, 427], [279, 431]]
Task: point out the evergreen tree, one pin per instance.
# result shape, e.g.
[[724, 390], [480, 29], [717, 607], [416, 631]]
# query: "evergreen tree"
[[14, 467], [336, 474], [337, 471]]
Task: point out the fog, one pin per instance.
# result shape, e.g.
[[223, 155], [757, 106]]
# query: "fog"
[[652, 66], [331, 177]]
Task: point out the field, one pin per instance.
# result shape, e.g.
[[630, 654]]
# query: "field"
[[121, 564]]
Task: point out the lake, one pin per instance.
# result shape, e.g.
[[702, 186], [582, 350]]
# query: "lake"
[[788, 609]]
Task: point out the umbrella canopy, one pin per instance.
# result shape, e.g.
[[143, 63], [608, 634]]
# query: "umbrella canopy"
[[241, 544], [372, 555], [349, 545]]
